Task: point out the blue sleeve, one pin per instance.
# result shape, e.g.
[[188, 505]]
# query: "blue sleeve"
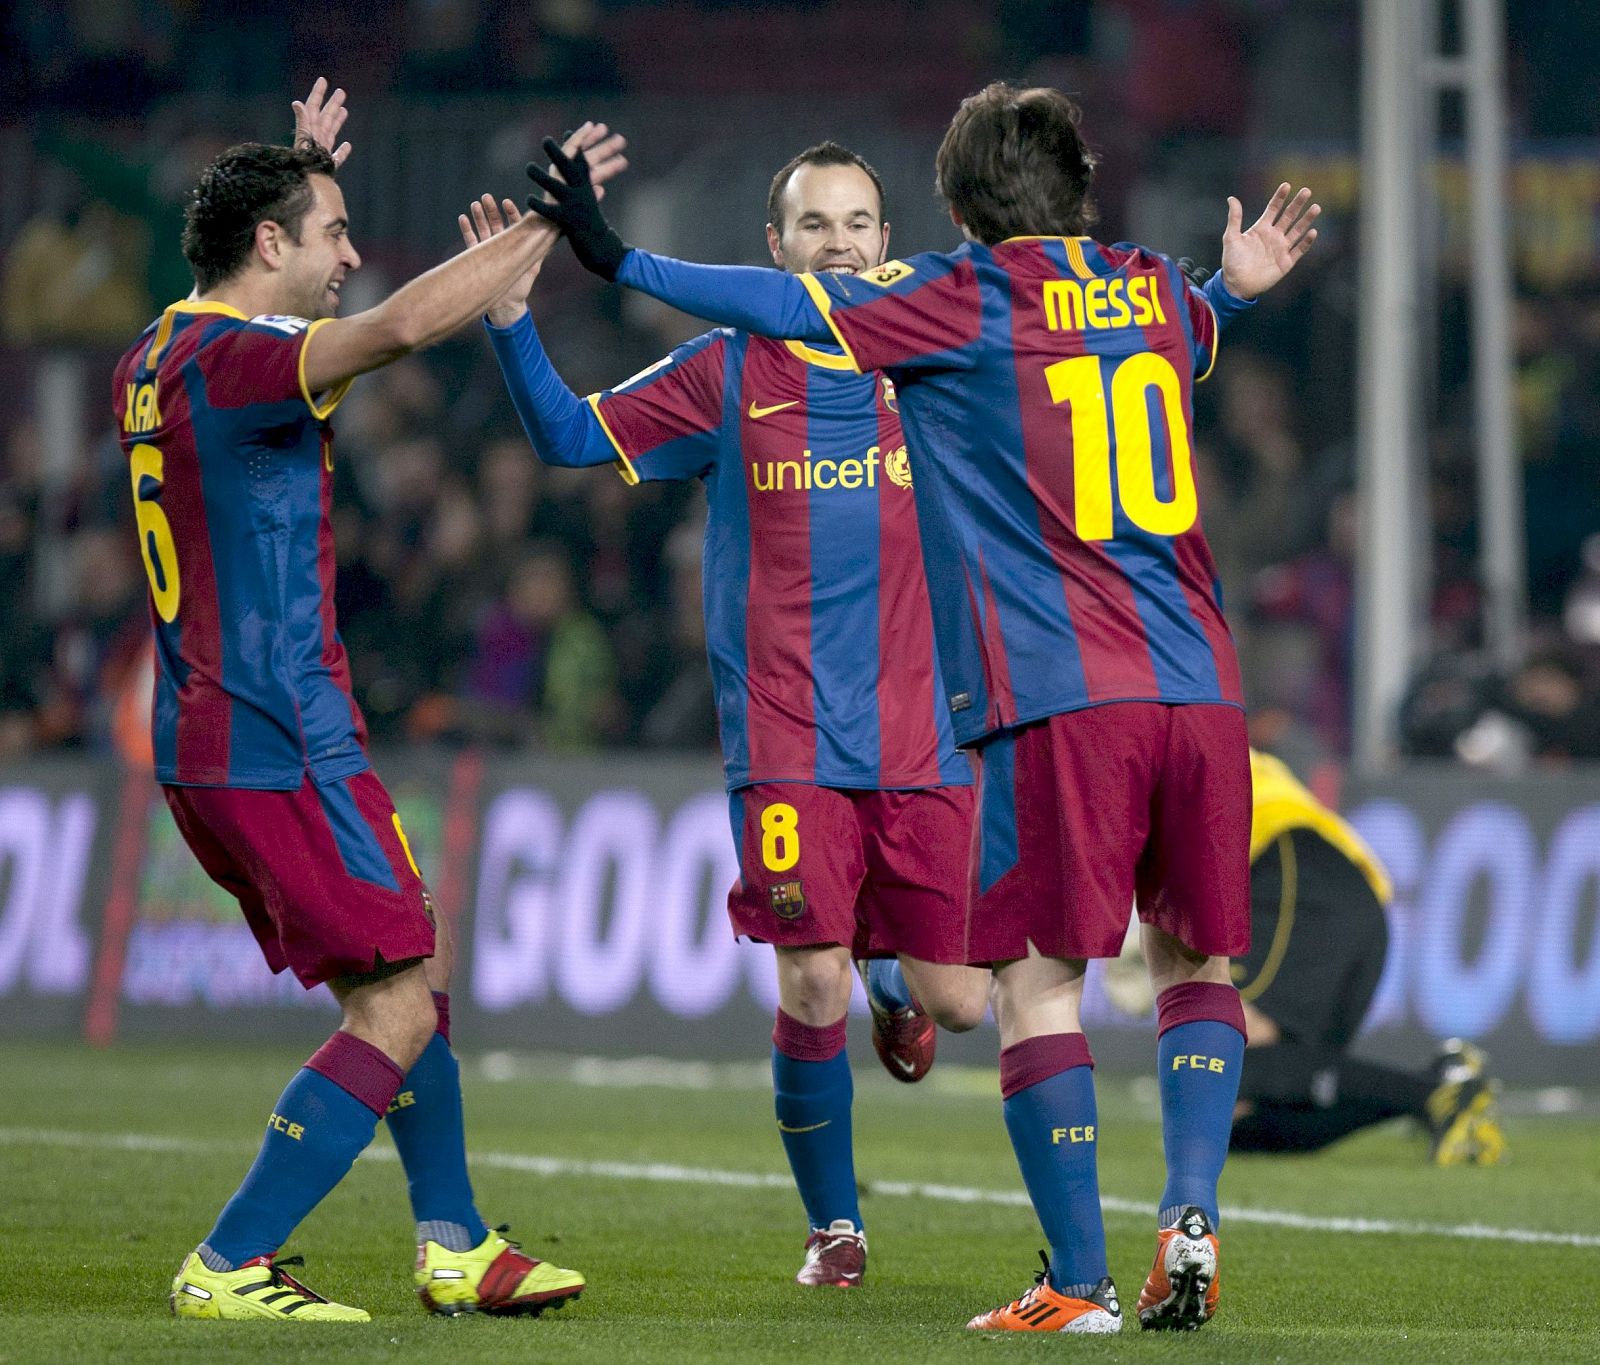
[[563, 428], [755, 299], [1224, 303]]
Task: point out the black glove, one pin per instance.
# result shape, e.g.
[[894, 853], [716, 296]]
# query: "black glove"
[[1197, 275], [573, 207]]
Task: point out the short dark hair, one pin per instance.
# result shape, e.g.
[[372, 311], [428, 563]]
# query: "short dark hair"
[[248, 184], [1013, 164], [823, 154]]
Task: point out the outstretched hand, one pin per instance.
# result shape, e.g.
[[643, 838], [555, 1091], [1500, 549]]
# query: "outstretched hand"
[[1254, 261], [318, 119], [571, 201], [487, 220]]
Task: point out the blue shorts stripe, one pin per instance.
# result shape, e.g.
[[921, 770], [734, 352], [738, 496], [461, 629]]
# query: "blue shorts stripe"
[[997, 846], [359, 849]]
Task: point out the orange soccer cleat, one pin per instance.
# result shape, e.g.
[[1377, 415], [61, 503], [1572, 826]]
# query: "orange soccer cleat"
[[1181, 1293], [1043, 1309]]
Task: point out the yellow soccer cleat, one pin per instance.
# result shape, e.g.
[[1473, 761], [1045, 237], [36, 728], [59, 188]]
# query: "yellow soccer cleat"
[[494, 1277], [258, 1289]]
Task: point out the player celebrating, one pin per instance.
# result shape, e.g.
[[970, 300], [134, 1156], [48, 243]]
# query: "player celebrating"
[[1044, 381], [223, 406], [851, 807]]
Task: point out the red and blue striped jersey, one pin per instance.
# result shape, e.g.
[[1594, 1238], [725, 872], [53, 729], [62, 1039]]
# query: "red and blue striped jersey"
[[818, 623], [1046, 384], [231, 461]]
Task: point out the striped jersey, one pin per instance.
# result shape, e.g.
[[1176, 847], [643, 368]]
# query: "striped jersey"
[[818, 624], [231, 462], [1045, 384]]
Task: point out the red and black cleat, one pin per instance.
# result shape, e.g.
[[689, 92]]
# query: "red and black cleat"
[[836, 1255]]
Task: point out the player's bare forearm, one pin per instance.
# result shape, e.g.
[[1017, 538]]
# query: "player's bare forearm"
[[434, 305], [427, 309]]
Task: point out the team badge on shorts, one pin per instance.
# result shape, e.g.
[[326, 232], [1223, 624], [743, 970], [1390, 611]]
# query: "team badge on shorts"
[[788, 900]]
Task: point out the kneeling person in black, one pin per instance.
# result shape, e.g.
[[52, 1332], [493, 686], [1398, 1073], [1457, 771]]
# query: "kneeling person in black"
[[1319, 935]]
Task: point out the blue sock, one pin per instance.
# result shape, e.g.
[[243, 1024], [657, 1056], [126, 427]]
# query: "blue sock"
[[886, 984], [813, 1090], [323, 1120], [429, 1133], [1198, 1059], [1048, 1084]]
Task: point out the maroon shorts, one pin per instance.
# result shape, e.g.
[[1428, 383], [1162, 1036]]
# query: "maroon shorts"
[[1083, 812], [880, 872], [323, 874]]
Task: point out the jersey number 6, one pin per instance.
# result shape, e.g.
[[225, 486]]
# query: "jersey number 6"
[[155, 532], [1079, 382]]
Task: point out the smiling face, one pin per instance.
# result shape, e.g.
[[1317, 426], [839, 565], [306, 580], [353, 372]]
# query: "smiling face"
[[313, 262], [831, 220]]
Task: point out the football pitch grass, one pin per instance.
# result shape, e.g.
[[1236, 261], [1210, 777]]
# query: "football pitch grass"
[[674, 1201]]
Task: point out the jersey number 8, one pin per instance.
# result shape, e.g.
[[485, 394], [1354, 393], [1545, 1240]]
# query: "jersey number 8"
[[1079, 382], [780, 836], [155, 532]]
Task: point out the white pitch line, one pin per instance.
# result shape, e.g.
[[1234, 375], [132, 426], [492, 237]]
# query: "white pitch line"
[[671, 1174]]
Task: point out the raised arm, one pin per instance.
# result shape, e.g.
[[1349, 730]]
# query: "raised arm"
[[433, 305], [751, 298], [562, 428]]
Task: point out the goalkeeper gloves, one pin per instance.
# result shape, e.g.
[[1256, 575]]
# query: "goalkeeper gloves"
[[574, 208]]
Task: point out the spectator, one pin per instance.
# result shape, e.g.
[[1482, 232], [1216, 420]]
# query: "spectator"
[[540, 661]]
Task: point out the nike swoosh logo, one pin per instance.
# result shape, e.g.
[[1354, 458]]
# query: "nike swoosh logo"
[[906, 1067], [809, 1128], [757, 412]]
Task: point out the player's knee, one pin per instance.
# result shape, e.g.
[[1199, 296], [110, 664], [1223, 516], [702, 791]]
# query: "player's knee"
[[959, 1011], [412, 1034], [814, 987]]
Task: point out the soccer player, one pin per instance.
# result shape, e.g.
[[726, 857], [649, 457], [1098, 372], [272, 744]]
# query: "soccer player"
[[850, 805], [1318, 939], [223, 407], [1044, 382]]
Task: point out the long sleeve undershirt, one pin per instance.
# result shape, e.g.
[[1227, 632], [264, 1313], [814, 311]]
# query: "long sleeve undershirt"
[[563, 428], [773, 303]]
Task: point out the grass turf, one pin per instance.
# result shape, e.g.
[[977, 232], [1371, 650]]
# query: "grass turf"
[[91, 1234]]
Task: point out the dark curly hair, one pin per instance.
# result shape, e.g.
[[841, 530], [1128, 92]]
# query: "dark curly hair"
[[248, 184], [823, 154], [1013, 164]]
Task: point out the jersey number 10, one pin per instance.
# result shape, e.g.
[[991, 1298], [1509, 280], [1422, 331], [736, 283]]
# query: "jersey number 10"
[[1125, 427], [155, 532]]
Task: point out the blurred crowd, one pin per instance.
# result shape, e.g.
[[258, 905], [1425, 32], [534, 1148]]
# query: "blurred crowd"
[[483, 597]]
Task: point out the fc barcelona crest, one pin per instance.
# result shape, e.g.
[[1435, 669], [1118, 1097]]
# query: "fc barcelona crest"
[[788, 900]]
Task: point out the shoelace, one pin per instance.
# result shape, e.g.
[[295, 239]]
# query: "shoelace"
[[825, 1244], [281, 1277]]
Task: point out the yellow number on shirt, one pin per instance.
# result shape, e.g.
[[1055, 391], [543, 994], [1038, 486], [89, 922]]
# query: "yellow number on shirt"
[[155, 532], [780, 836], [1077, 382]]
